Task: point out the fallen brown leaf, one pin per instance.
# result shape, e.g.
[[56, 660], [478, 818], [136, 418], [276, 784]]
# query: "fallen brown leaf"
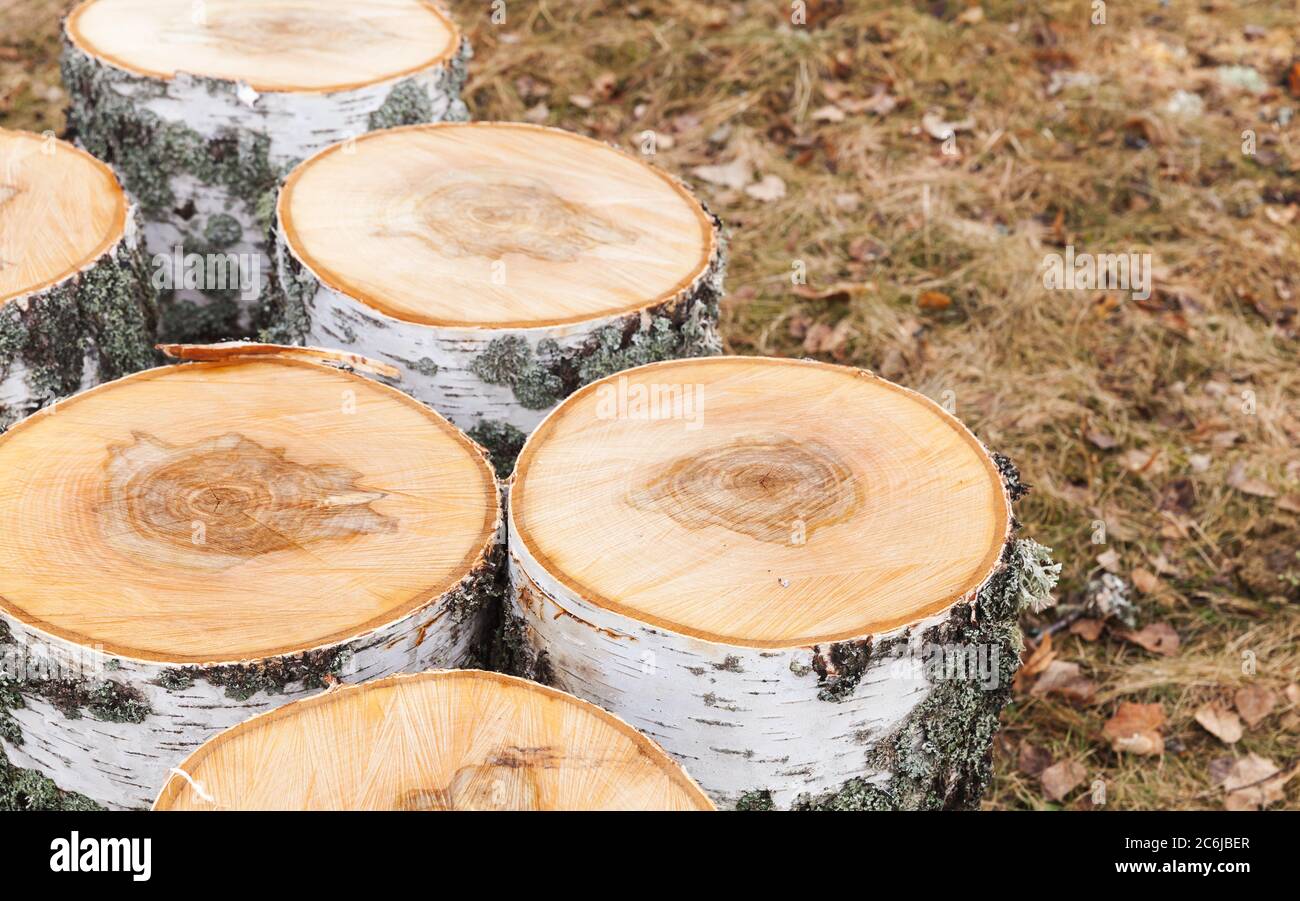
[[1109, 561], [1087, 629], [933, 300], [1135, 729], [1033, 759], [1252, 783], [1255, 703], [1158, 638], [1039, 657], [1238, 479], [1219, 721], [1142, 462], [767, 189], [1101, 439], [1145, 581], [736, 174], [1062, 778], [1065, 679]]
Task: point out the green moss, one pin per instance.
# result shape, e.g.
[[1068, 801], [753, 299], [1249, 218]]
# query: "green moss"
[[502, 441], [840, 669], [542, 377], [1016, 489], [941, 756], [187, 322], [513, 653], [408, 103], [504, 361], [105, 700], [175, 679], [756, 800], [281, 314], [147, 151], [480, 590], [729, 664], [311, 669], [424, 366], [221, 231], [22, 789], [109, 310]]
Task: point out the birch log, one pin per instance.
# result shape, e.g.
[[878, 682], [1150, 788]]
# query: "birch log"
[[197, 543], [498, 265], [201, 106], [75, 303], [798, 578], [463, 740]]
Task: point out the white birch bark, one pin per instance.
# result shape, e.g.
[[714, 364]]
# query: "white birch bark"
[[453, 369], [793, 725], [202, 155], [92, 326], [119, 750]]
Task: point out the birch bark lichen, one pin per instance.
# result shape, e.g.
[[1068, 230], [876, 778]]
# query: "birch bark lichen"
[[497, 383], [109, 728], [202, 157], [902, 719], [221, 573], [92, 326], [881, 722]]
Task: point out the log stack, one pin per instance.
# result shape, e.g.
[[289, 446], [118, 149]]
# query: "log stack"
[[435, 741], [201, 106], [76, 307], [197, 543], [499, 266], [800, 579]]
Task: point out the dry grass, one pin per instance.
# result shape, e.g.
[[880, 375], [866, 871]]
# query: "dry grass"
[[1072, 142]]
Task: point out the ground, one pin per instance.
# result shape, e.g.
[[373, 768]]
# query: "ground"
[[895, 178]]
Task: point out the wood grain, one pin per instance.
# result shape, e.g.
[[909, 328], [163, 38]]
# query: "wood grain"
[[235, 510], [456, 740], [492, 224], [271, 45], [60, 210], [799, 503]]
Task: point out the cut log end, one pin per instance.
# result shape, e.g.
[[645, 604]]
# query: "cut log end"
[[461, 740], [510, 226], [60, 211], [271, 45], [231, 511], [759, 502]]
